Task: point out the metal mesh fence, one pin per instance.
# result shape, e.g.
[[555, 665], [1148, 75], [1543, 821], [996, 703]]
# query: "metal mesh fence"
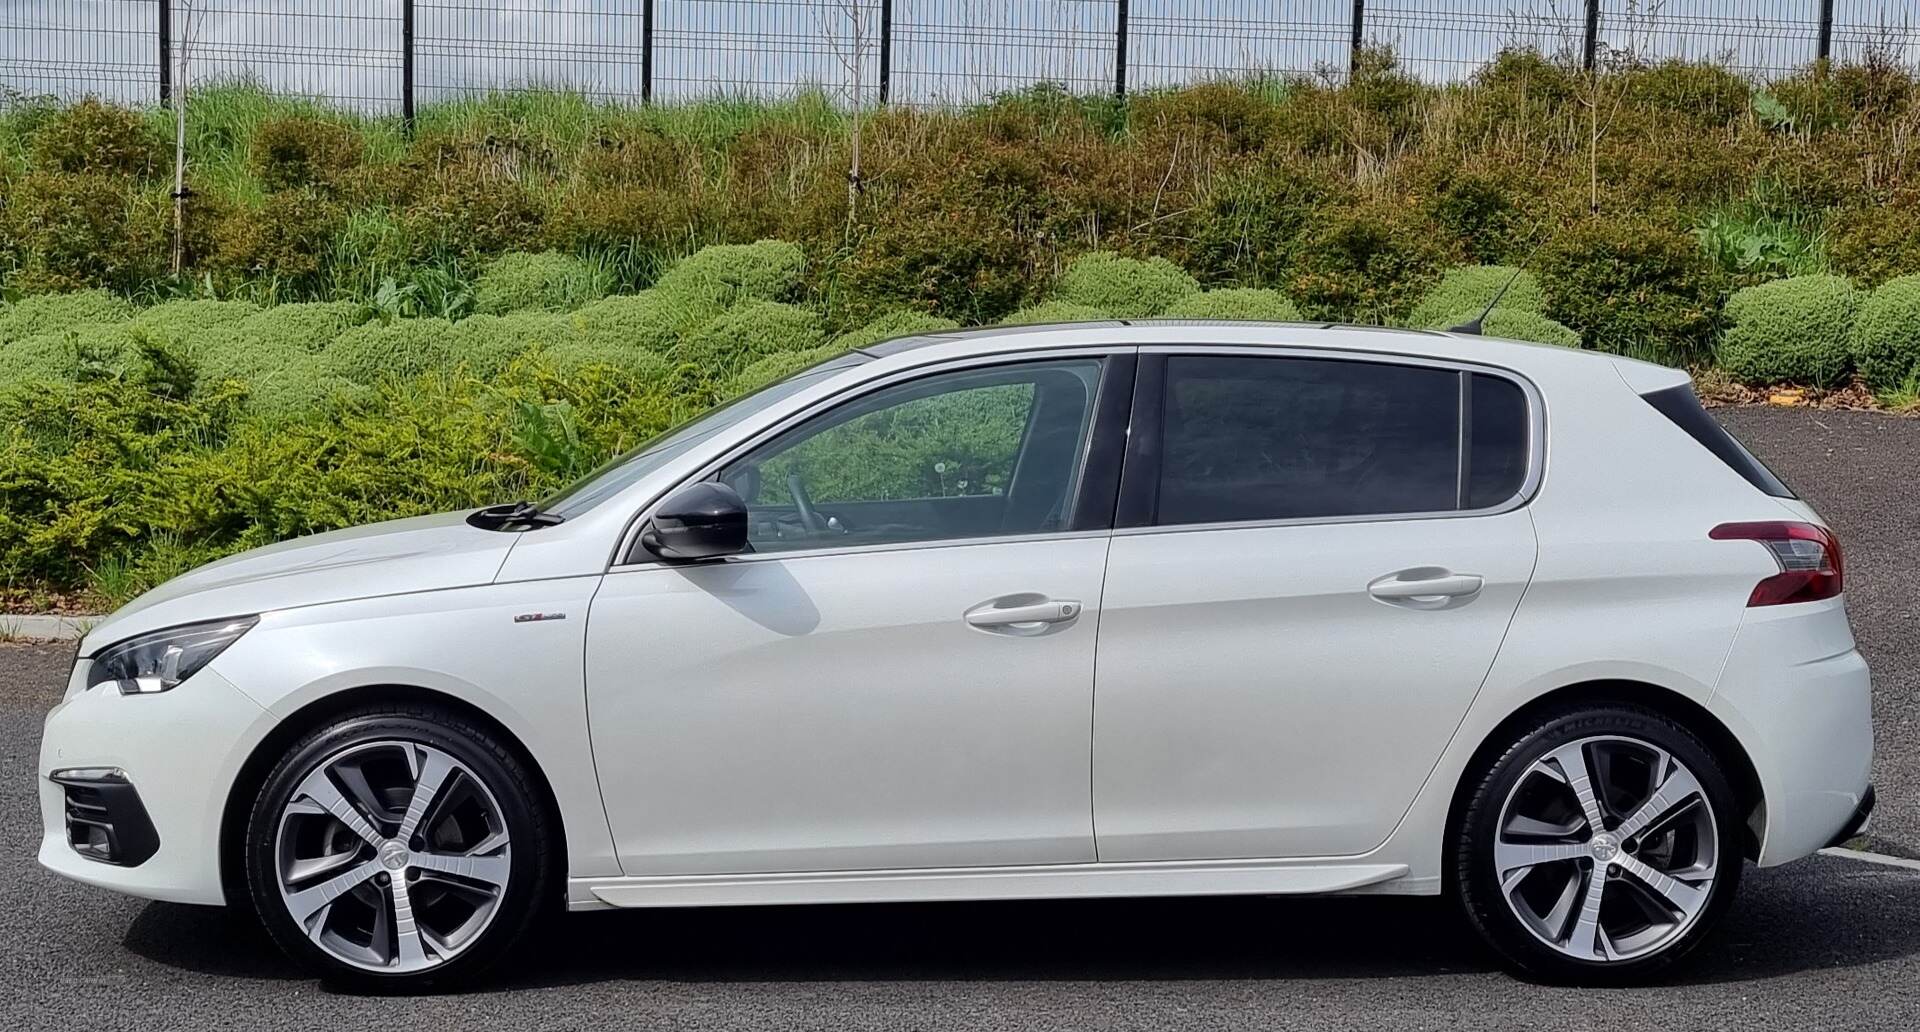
[[385, 55]]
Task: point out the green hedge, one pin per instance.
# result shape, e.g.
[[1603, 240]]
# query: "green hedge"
[[1470, 288], [1797, 330], [1126, 288], [1235, 303], [539, 282], [1512, 324], [1886, 335]]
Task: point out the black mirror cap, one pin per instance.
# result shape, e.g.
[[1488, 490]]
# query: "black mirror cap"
[[700, 521]]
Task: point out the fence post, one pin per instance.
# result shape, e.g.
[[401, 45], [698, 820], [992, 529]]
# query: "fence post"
[[646, 52], [1826, 29], [166, 52], [1359, 36], [886, 50], [1120, 49], [406, 64], [1588, 53]]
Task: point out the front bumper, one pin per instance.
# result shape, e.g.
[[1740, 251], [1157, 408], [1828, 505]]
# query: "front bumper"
[[178, 751]]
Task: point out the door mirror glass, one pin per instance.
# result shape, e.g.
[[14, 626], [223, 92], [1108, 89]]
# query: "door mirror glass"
[[700, 521]]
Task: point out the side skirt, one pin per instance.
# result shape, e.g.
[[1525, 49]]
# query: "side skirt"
[[1051, 881]]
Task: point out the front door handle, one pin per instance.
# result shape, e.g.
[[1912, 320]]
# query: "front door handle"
[[1024, 613], [1425, 587]]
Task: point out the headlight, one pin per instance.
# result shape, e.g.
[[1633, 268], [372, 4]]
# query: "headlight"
[[158, 661]]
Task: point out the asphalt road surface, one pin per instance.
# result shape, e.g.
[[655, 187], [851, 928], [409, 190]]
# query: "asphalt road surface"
[[1826, 943]]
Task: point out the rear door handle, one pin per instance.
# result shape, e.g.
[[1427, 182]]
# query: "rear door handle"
[[1027, 612], [1424, 587]]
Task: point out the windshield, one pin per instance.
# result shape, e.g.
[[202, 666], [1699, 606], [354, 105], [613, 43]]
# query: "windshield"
[[622, 471]]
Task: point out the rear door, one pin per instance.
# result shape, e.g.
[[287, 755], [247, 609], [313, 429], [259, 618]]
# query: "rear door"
[[1315, 560]]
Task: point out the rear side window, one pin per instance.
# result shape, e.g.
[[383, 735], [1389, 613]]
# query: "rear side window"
[[1680, 405], [1254, 438]]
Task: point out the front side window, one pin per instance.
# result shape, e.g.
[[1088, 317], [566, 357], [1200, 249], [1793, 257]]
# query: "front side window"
[[1260, 438], [974, 453]]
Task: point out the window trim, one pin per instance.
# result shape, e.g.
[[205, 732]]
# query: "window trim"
[[1116, 376], [1140, 477]]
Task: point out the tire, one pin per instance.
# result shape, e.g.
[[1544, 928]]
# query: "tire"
[[342, 892], [1524, 867]]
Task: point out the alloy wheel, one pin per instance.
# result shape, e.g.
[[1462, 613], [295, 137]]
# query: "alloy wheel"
[[393, 856], [1607, 849]]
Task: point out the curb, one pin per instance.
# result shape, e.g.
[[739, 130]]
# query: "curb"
[[44, 627]]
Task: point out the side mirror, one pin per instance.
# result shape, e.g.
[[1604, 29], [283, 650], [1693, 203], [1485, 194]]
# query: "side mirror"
[[700, 521]]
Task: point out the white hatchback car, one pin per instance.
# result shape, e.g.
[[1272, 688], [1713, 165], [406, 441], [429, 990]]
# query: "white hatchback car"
[[1104, 609]]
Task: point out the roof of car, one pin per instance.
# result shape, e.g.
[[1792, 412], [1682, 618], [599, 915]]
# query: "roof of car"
[[1383, 340]]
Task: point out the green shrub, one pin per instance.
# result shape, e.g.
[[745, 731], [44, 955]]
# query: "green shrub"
[[42, 313], [303, 389], [1886, 334], [778, 367], [174, 324], [1632, 287], [94, 137], [1512, 324], [375, 352], [893, 324], [1365, 264], [1055, 312], [1795, 330], [74, 230], [652, 320], [744, 334], [540, 282], [1470, 288], [287, 241], [273, 351], [89, 351], [299, 151], [767, 270], [1876, 244], [960, 262], [1127, 287], [1235, 303]]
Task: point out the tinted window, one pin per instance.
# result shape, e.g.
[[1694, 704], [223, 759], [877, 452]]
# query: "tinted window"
[[1498, 442], [1291, 438], [958, 455]]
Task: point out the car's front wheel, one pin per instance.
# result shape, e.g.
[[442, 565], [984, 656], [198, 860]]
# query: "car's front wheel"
[[1599, 846], [398, 846]]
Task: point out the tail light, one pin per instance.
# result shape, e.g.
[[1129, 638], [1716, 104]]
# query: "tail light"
[[1808, 556]]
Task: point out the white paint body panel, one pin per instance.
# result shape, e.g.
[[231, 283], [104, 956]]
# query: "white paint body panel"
[[1254, 700], [825, 727], [835, 712]]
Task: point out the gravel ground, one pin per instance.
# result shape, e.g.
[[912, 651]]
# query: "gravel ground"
[[1827, 943]]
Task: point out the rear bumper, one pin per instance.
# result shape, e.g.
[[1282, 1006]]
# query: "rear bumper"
[[1797, 695], [1861, 821]]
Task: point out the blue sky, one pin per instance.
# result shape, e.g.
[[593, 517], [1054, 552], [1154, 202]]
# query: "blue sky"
[[944, 50]]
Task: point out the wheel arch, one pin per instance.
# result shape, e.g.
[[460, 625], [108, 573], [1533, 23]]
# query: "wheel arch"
[[253, 771], [1726, 747]]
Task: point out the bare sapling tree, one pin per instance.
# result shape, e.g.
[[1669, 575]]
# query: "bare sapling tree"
[[1602, 92], [183, 77], [850, 48]]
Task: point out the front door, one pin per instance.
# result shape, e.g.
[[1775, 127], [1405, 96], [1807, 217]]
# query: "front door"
[[900, 674], [1323, 559]]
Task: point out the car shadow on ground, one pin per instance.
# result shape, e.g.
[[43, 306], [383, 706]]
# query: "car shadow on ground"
[[1782, 924]]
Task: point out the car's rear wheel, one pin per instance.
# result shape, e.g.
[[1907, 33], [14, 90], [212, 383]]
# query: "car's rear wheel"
[[1599, 846], [398, 847]]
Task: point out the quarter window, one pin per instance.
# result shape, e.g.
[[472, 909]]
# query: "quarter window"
[[1253, 438], [967, 454]]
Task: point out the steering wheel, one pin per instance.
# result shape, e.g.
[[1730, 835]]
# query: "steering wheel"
[[803, 505]]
